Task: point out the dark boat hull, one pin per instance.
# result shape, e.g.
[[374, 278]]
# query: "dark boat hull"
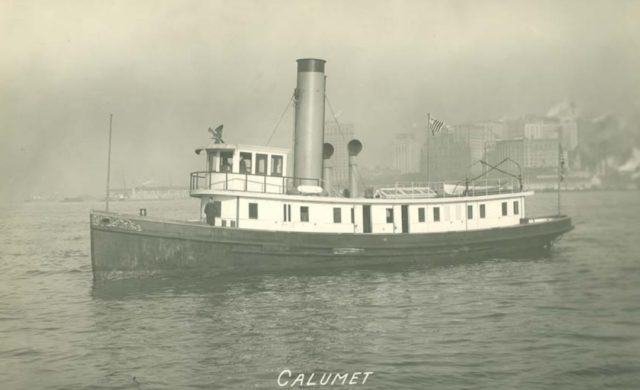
[[124, 245]]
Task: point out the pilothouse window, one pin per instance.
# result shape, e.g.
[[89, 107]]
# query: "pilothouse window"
[[226, 161], [261, 164], [276, 165], [245, 162]]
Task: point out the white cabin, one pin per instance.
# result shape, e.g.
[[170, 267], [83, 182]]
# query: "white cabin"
[[250, 190]]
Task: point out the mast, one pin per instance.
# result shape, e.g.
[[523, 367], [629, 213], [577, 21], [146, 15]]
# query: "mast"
[[427, 150], [108, 164], [560, 177]]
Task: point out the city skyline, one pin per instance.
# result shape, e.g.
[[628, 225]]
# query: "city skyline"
[[170, 70]]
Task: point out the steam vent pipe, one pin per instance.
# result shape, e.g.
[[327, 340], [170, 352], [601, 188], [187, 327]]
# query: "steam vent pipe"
[[354, 147], [327, 169], [309, 121]]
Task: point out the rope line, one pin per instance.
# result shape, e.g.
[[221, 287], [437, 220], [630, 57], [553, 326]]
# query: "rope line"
[[280, 120], [342, 134]]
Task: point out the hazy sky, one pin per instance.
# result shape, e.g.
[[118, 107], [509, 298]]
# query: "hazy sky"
[[168, 70]]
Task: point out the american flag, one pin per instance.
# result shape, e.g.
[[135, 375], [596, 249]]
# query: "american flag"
[[435, 125]]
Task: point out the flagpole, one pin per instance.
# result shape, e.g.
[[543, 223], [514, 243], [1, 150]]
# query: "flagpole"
[[109, 164], [427, 151], [559, 174]]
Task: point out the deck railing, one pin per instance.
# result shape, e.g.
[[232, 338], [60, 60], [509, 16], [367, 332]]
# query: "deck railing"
[[246, 182], [447, 189], [211, 180]]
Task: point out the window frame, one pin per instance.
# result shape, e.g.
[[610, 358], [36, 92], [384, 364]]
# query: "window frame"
[[253, 210], [272, 171], [337, 215], [389, 215], [243, 159], [304, 213], [265, 157]]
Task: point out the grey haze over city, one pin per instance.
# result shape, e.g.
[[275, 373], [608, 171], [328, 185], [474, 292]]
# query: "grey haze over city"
[[169, 70]]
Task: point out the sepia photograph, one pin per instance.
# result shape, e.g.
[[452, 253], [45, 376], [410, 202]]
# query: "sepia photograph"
[[273, 194]]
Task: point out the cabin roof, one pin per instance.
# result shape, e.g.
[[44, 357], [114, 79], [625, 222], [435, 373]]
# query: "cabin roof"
[[245, 147]]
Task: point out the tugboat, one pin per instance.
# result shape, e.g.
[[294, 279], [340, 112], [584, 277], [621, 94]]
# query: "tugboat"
[[254, 216]]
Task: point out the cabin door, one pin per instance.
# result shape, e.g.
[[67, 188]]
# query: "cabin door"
[[366, 219], [405, 218]]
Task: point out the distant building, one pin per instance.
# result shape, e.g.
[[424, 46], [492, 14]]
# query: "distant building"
[[447, 157], [495, 129], [406, 152], [339, 135], [535, 156], [453, 154], [509, 148], [540, 154], [567, 115], [542, 128]]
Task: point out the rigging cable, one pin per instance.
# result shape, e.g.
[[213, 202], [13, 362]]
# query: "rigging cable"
[[280, 120], [344, 136]]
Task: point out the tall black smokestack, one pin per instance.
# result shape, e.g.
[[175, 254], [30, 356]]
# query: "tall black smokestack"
[[309, 123]]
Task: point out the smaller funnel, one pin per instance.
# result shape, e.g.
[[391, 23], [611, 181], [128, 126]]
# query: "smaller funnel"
[[327, 169], [354, 147]]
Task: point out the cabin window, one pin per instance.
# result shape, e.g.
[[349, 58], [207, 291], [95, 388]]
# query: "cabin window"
[[226, 161], [516, 208], [261, 164], [253, 211], [304, 213], [284, 212], [337, 215], [421, 214], [482, 211], [245, 162], [390, 215], [504, 208], [289, 212], [276, 165], [353, 215], [436, 214], [469, 212]]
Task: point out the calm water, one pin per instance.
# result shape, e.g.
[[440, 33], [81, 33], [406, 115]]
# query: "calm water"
[[571, 321]]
